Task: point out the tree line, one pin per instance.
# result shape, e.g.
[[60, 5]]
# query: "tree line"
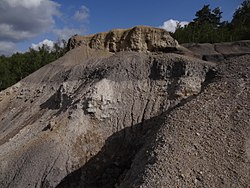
[[20, 65], [207, 26]]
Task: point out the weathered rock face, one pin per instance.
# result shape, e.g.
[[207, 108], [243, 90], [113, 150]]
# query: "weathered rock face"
[[126, 119], [140, 38]]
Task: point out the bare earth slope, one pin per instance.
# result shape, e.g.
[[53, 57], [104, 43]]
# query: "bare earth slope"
[[148, 118], [206, 141]]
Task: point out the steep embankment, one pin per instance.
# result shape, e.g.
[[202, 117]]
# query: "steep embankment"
[[206, 141], [99, 119]]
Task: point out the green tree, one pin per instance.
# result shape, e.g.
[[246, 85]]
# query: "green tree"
[[242, 14], [241, 22], [203, 28], [207, 26], [208, 16], [18, 66]]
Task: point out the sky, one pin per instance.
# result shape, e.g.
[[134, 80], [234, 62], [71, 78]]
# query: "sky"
[[28, 24]]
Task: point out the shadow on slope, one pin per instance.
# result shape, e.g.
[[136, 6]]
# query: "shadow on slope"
[[109, 166]]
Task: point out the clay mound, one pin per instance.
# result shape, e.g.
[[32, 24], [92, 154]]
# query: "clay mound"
[[57, 119], [201, 142], [127, 119], [206, 141], [140, 38]]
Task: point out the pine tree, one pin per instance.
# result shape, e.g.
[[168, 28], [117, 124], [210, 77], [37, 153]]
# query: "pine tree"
[[241, 22]]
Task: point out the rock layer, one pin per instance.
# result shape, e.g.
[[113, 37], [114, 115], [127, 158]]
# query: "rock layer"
[[140, 38]]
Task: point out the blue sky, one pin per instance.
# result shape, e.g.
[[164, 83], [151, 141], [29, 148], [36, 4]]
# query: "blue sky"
[[26, 23]]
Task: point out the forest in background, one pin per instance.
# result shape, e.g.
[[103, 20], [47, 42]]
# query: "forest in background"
[[206, 27], [20, 65]]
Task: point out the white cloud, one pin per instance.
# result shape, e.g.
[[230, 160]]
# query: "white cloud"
[[82, 14], [22, 20], [48, 43], [7, 48], [24, 3], [8, 32], [171, 25], [66, 32]]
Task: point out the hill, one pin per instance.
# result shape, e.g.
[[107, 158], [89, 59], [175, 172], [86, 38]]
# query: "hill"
[[146, 112]]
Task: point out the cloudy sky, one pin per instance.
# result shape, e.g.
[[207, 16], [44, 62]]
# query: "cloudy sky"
[[30, 23]]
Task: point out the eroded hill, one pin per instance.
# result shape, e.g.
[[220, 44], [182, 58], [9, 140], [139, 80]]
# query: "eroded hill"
[[129, 116]]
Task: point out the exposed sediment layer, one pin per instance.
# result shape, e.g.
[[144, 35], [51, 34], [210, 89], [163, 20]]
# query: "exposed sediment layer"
[[140, 38]]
